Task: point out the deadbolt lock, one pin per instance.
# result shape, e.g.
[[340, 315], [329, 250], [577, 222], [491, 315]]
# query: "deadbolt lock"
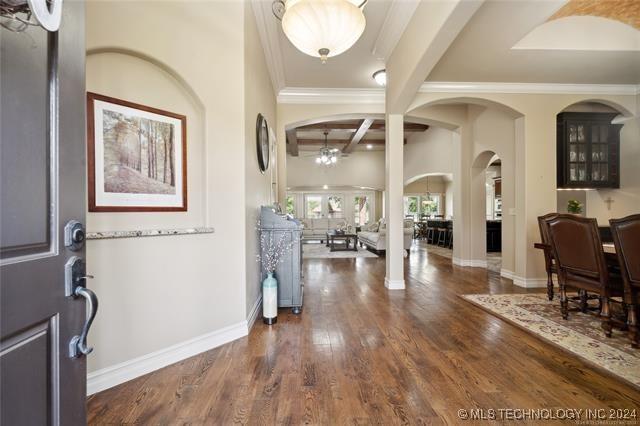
[[74, 235]]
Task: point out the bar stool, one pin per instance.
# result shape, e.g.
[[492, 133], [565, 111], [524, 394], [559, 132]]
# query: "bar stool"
[[450, 235], [442, 237], [430, 233]]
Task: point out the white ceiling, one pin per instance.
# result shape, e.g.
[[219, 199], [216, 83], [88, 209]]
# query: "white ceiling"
[[481, 53], [354, 68], [386, 20]]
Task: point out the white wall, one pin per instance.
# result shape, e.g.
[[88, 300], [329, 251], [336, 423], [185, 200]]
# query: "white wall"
[[163, 291], [360, 168], [259, 98]]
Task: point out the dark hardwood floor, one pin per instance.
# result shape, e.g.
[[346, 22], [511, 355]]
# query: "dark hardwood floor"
[[360, 354]]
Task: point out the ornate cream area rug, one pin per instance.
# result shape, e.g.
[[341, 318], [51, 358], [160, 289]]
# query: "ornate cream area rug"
[[321, 251], [580, 334]]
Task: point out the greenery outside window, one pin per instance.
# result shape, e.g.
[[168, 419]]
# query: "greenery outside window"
[[291, 205], [416, 206], [313, 206]]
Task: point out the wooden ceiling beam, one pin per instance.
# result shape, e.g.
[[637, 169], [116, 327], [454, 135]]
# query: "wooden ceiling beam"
[[358, 135], [292, 142], [341, 141], [375, 126]]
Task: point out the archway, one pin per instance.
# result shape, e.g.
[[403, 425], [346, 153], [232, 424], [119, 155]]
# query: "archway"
[[487, 236], [484, 128]]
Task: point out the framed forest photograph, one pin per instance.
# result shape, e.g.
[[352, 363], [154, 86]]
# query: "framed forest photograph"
[[137, 157]]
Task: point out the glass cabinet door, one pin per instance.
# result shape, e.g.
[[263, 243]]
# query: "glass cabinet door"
[[578, 148], [599, 153]]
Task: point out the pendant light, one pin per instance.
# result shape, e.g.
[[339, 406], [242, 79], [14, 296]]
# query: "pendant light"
[[321, 28], [327, 156]]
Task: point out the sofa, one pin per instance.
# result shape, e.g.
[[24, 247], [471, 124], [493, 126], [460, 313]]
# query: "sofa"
[[374, 236], [316, 229]]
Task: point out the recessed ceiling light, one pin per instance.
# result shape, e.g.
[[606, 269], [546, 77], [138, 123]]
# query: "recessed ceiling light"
[[369, 146], [380, 77], [325, 186]]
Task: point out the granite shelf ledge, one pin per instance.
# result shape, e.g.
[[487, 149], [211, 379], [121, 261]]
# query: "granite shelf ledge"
[[105, 235]]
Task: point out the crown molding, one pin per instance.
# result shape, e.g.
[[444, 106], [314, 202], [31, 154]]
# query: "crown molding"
[[314, 95], [321, 95], [398, 16], [529, 88], [269, 34]]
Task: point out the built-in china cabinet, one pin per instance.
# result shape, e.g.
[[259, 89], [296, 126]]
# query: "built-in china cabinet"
[[588, 150]]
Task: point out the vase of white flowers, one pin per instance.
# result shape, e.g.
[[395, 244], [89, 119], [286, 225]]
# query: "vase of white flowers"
[[272, 251]]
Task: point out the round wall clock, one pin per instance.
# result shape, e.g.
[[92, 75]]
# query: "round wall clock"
[[262, 142]]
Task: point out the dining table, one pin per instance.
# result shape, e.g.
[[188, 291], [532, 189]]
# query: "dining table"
[[609, 250]]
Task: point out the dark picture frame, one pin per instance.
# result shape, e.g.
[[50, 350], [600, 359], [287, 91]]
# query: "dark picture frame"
[[127, 175]]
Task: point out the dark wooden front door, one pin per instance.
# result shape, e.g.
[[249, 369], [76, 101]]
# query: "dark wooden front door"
[[42, 166]]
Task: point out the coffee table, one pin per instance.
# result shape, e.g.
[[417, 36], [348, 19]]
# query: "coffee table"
[[342, 241]]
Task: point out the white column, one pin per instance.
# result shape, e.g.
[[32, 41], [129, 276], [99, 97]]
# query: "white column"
[[394, 184]]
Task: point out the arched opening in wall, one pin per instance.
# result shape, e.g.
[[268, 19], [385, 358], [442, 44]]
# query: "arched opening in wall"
[[594, 160], [335, 167], [486, 210], [428, 201], [485, 127]]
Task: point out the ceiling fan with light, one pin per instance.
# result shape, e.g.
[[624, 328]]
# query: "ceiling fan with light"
[[327, 156], [321, 28]]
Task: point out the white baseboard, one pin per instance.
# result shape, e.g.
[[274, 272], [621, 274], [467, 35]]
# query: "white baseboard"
[[111, 376], [474, 263], [394, 284], [529, 282], [505, 273], [255, 311]]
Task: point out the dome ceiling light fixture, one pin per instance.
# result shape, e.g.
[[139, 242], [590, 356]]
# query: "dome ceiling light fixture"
[[327, 156], [321, 28], [380, 77]]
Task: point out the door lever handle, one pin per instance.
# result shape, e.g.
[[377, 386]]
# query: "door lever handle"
[[78, 344]]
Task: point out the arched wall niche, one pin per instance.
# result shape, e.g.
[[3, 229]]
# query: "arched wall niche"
[[604, 204], [140, 78], [158, 63]]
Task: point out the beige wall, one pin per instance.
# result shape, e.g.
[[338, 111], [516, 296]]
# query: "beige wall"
[[259, 98], [428, 152], [162, 291], [360, 168]]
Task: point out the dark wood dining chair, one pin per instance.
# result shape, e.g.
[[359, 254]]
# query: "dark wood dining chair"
[[549, 263], [626, 238], [581, 264]]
